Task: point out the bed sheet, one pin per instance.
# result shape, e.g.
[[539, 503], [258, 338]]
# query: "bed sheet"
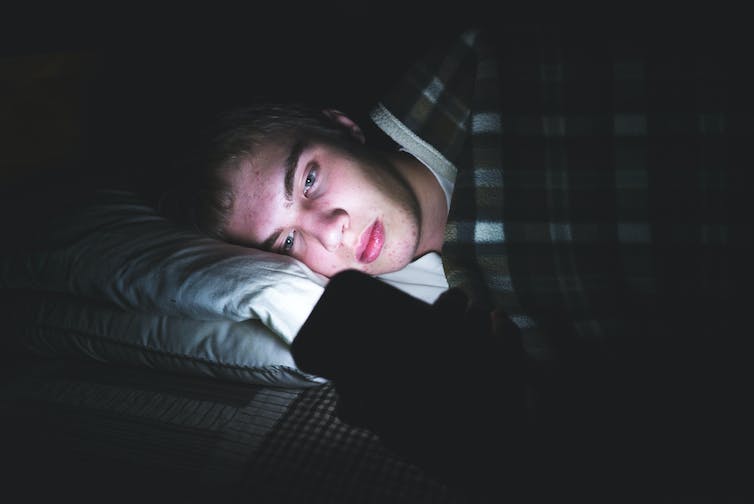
[[86, 430]]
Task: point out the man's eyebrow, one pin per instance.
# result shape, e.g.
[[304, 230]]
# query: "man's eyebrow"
[[270, 241], [291, 162]]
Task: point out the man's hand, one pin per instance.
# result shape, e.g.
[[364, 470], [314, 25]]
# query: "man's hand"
[[479, 325]]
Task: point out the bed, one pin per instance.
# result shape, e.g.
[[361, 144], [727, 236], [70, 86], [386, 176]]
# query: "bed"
[[141, 360], [185, 397], [89, 430]]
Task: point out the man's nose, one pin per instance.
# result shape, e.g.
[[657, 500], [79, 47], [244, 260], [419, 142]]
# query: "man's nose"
[[328, 227]]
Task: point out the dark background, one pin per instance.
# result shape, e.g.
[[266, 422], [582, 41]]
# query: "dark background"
[[116, 96]]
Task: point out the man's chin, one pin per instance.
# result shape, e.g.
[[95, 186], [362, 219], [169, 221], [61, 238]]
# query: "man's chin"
[[375, 268], [384, 269]]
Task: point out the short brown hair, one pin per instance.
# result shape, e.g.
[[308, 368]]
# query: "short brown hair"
[[204, 199]]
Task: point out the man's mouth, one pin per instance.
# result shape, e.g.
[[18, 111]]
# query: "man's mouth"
[[371, 243]]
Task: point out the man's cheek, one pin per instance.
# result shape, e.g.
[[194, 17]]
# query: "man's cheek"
[[330, 264]]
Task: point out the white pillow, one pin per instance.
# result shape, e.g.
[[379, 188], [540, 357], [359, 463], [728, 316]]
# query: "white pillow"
[[62, 325], [167, 298], [117, 248]]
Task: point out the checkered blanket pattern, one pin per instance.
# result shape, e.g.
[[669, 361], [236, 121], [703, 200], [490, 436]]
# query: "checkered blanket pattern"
[[84, 429], [596, 191]]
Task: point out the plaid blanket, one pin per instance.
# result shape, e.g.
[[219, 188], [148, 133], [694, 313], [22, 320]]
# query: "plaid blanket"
[[600, 203], [594, 187]]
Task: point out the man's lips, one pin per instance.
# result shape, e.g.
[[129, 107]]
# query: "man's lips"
[[371, 243]]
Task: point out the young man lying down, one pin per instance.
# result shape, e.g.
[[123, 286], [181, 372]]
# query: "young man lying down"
[[542, 214]]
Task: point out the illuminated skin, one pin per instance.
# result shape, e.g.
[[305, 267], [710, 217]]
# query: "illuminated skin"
[[371, 213]]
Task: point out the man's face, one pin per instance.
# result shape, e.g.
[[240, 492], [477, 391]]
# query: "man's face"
[[325, 206]]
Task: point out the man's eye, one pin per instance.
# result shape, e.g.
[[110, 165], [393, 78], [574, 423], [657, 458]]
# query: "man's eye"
[[310, 180], [288, 243]]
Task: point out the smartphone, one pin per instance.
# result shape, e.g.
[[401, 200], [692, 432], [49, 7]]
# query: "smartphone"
[[432, 384], [362, 325]]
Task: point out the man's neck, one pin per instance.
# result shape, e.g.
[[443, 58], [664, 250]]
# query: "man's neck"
[[432, 202]]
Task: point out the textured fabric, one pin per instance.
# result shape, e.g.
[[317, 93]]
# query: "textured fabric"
[[84, 430], [423, 278], [312, 456], [78, 428], [115, 247], [106, 278], [595, 189], [602, 202], [63, 325], [87, 430]]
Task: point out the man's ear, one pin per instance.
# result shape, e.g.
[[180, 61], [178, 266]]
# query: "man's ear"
[[346, 122]]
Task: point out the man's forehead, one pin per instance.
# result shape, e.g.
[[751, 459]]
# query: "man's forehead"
[[263, 184], [258, 179], [266, 157], [256, 189]]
